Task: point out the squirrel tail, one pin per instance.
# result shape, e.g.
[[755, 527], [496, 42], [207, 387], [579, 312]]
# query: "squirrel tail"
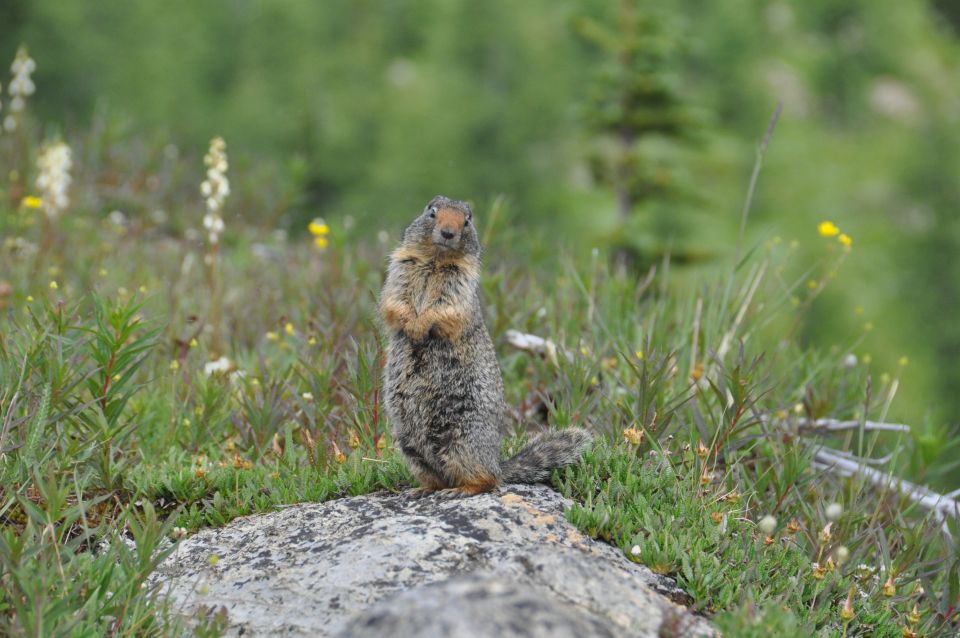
[[547, 452]]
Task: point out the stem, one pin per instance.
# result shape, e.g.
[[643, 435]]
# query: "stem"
[[108, 373], [754, 176]]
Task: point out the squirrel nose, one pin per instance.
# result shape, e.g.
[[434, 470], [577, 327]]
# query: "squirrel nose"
[[447, 234]]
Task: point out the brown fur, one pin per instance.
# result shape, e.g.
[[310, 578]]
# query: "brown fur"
[[443, 390], [417, 316]]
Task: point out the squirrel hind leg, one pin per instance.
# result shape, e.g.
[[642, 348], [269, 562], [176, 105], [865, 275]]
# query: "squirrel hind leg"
[[477, 485], [429, 481]]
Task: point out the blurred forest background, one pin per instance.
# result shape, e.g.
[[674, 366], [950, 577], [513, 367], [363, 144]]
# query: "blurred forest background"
[[633, 132]]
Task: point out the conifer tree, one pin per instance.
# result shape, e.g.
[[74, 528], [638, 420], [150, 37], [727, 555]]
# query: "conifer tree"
[[634, 98]]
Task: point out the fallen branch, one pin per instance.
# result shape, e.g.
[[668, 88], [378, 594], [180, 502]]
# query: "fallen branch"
[[834, 425], [941, 505], [536, 345]]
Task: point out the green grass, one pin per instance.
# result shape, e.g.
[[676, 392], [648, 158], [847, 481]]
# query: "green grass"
[[114, 430]]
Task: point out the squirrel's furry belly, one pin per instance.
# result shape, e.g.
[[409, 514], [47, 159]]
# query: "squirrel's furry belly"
[[445, 401]]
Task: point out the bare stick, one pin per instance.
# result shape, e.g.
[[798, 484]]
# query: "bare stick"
[[942, 505], [535, 345], [836, 425]]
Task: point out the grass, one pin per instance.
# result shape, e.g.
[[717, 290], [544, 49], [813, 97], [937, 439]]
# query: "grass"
[[151, 386]]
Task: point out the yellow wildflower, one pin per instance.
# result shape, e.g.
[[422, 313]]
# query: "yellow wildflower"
[[174, 365], [354, 441], [289, 329], [53, 285], [903, 361], [272, 336], [318, 228], [321, 242], [914, 616], [697, 371], [193, 343], [825, 534], [633, 436], [828, 229], [845, 239], [31, 201], [702, 450], [846, 613], [29, 298], [143, 290], [889, 589], [639, 354], [312, 341]]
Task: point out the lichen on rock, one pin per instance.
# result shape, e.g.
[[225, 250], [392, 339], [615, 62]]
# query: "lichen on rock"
[[500, 564]]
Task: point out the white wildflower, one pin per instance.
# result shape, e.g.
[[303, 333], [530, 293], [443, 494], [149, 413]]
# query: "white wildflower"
[[21, 86], [834, 510], [117, 218], [215, 188], [850, 361], [767, 524], [223, 364], [842, 554], [54, 180]]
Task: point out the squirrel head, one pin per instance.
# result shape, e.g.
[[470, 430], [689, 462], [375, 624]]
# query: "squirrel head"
[[445, 228]]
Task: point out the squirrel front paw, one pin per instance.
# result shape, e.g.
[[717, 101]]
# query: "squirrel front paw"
[[396, 315], [416, 329]]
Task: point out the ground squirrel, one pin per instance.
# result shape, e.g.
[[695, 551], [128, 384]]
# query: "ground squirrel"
[[443, 389]]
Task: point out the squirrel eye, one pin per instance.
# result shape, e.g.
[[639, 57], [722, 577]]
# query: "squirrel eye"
[[432, 211], [469, 217]]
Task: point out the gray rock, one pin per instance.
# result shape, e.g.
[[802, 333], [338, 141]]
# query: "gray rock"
[[502, 564]]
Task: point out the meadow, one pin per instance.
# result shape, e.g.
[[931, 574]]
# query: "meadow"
[[171, 360]]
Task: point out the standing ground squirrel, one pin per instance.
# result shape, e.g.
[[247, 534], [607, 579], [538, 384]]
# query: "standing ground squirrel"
[[444, 393]]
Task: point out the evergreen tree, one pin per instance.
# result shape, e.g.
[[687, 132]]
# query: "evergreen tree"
[[635, 110]]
